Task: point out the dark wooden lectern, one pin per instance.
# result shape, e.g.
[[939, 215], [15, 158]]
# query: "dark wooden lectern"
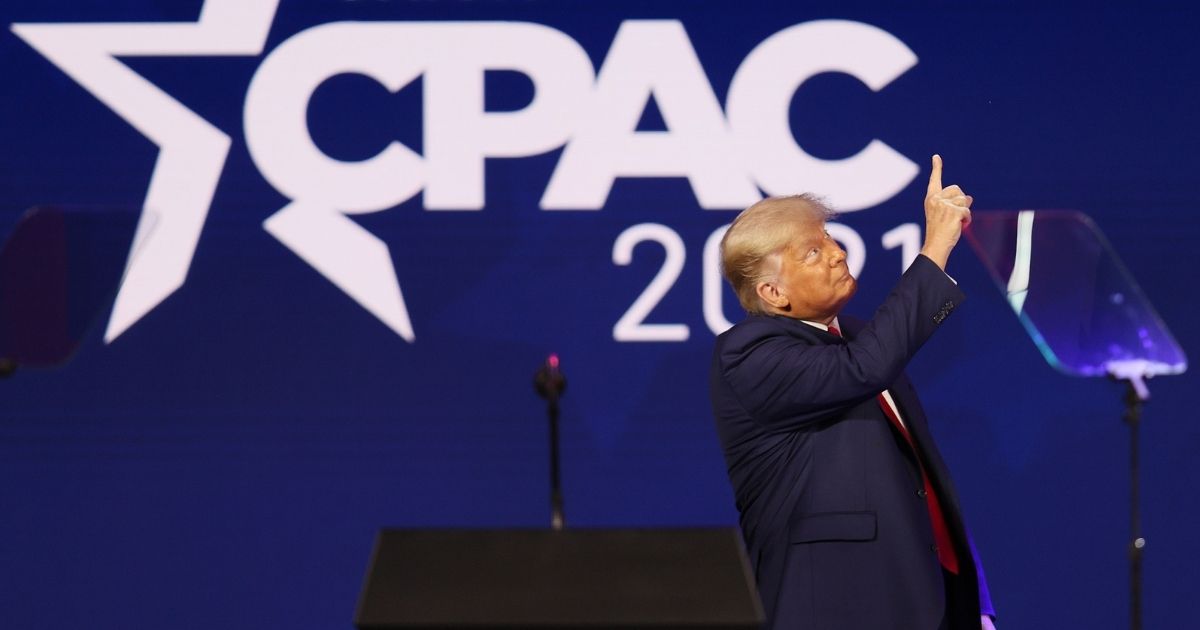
[[577, 578]]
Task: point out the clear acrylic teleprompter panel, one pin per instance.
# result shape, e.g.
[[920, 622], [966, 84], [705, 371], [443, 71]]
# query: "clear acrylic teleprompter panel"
[[59, 269], [1077, 301]]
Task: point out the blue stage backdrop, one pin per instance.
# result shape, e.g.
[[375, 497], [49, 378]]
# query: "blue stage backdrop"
[[364, 224]]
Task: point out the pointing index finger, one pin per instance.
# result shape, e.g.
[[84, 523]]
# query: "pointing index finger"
[[935, 176]]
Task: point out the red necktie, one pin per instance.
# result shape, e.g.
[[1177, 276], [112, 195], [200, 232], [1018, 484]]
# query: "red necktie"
[[941, 533]]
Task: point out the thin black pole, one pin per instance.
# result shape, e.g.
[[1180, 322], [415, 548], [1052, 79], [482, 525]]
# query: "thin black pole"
[[1133, 417], [550, 384], [557, 520]]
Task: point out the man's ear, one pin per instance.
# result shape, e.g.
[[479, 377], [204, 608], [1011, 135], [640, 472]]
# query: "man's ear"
[[771, 296]]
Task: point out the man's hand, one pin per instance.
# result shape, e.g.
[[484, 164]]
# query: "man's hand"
[[985, 623], [947, 210]]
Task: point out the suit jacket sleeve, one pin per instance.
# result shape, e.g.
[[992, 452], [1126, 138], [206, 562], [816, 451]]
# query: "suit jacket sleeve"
[[785, 382]]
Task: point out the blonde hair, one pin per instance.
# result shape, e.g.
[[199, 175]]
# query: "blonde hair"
[[750, 248]]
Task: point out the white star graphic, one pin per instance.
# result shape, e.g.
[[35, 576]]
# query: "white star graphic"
[[192, 151]]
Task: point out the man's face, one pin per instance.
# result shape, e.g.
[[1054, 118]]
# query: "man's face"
[[813, 275]]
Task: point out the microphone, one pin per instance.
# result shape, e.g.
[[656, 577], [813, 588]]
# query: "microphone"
[[549, 381]]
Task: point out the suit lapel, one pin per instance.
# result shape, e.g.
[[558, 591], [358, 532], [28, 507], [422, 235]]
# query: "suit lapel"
[[901, 390], [914, 416], [906, 401]]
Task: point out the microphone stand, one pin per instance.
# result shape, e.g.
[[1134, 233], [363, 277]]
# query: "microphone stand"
[[550, 384], [1136, 393]]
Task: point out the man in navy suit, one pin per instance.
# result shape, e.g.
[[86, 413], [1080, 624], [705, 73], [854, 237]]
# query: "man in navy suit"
[[849, 515]]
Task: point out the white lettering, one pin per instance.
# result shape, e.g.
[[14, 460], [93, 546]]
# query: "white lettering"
[[761, 92], [459, 134], [906, 236], [650, 58], [632, 326], [725, 156]]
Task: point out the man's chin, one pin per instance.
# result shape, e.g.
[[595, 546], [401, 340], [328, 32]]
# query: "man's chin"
[[850, 291]]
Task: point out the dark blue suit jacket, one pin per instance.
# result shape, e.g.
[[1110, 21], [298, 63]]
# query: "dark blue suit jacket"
[[834, 524]]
